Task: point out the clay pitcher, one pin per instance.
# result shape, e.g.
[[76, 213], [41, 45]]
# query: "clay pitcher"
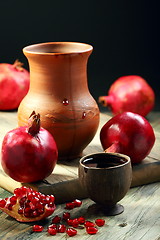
[[59, 92]]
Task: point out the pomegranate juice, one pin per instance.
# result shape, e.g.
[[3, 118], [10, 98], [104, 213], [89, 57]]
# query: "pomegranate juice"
[[97, 161]]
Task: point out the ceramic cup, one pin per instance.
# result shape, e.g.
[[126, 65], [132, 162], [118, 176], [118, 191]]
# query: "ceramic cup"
[[107, 178]]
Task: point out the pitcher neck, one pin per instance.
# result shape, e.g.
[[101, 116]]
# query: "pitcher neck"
[[48, 73]]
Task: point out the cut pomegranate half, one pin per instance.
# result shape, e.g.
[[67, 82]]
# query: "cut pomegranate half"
[[28, 205]]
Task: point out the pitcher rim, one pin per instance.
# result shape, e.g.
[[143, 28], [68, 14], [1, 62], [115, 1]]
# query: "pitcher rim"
[[31, 49]]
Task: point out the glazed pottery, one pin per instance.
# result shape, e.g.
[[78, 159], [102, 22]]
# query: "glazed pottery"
[[107, 178], [59, 93]]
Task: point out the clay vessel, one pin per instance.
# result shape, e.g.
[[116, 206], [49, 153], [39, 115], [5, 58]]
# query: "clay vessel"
[[59, 92]]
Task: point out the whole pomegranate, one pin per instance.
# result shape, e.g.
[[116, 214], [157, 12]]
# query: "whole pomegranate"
[[128, 133], [14, 85], [29, 153], [28, 205], [129, 93]]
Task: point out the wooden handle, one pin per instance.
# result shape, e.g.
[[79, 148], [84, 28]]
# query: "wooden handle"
[[65, 191]]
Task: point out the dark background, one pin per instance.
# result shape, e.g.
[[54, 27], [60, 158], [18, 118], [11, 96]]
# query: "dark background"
[[124, 34]]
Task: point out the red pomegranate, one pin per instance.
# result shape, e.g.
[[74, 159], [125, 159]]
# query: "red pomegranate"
[[128, 133], [14, 85], [129, 93], [29, 153]]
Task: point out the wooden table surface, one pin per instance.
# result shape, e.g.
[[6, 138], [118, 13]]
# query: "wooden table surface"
[[139, 221]]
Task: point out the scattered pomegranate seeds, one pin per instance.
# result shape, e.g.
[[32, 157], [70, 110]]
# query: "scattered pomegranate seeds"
[[58, 227], [75, 223], [91, 230], [52, 226], [37, 228], [89, 224], [81, 220], [56, 219], [75, 203], [66, 215], [61, 228], [52, 231], [100, 222], [69, 222], [71, 232], [69, 205]]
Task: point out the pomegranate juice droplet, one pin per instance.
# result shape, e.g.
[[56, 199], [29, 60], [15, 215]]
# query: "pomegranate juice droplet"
[[83, 115], [65, 102]]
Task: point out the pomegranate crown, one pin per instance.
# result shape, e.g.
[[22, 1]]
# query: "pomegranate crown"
[[34, 123]]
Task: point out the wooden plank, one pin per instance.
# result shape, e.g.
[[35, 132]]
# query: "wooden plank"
[[63, 182], [141, 218]]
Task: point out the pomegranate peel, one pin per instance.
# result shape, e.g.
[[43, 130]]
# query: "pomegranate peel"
[[23, 207]]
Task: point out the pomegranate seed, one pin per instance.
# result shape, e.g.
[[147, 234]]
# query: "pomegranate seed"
[[20, 210], [51, 204], [77, 203], [39, 206], [91, 230], [27, 203], [48, 198], [52, 198], [17, 192], [66, 215], [69, 222], [75, 223], [34, 200], [100, 222], [89, 224], [27, 215], [35, 213], [32, 206], [61, 228], [71, 232], [70, 205], [81, 220], [40, 211], [52, 231], [37, 228], [45, 200], [42, 197], [9, 206], [13, 200], [56, 219], [2, 203], [53, 226], [27, 210], [22, 201]]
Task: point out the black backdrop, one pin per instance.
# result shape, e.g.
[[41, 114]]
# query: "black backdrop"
[[124, 34]]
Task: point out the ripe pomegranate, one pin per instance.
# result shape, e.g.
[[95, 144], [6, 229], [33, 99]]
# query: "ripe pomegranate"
[[128, 133], [14, 85], [28, 205], [129, 93], [29, 153]]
